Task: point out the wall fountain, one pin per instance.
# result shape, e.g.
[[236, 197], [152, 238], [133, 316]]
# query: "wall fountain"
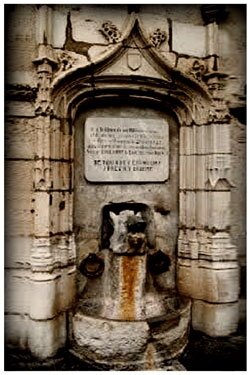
[[124, 319]]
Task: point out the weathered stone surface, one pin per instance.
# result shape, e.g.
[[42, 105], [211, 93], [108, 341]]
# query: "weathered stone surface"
[[199, 280], [18, 29], [22, 109], [58, 290], [124, 344], [17, 251], [20, 137], [194, 45], [232, 47], [19, 219], [17, 291], [46, 307], [215, 319], [60, 217], [219, 209], [16, 330], [67, 288], [55, 332], [41, 214], [105, 339], [60, 175], [238, 200]]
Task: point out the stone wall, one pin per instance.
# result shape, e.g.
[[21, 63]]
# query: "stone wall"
[[40, 254]]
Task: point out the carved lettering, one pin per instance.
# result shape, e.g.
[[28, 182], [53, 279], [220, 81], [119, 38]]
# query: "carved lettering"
[[125, 149]]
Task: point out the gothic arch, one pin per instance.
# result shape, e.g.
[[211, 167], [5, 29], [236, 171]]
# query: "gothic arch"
[[165, 81]]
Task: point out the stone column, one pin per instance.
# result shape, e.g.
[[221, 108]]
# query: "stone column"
[[52, 284], [207, 264]]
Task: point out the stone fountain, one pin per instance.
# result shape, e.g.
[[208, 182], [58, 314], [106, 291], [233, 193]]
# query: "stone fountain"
[[125, 319]]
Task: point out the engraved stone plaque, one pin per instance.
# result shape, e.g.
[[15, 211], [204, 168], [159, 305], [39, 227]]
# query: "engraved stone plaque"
[[126, 150]]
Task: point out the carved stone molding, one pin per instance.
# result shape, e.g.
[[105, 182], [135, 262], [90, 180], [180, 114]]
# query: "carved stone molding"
[[204, 245], [63, 249], [41, 256]]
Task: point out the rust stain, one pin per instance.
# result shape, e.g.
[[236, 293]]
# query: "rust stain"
[[150, 358], [129, 280]]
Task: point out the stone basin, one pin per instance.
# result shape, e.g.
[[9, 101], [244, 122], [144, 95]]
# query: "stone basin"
[[131, 345]]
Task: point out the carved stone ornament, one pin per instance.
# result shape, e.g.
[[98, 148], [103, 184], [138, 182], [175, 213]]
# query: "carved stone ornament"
[[42, 175], [134, 60], [218, 168], [43, 104], [65, 62], [110, 32], [198, 70], [157, 38], [219, 114]]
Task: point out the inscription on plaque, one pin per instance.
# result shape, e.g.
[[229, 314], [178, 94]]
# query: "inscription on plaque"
[[126, 150]]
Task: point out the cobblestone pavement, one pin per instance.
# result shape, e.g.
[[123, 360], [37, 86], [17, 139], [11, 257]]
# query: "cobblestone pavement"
[[203, 353]]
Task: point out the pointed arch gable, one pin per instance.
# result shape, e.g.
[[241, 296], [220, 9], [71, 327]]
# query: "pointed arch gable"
[[174, 85]]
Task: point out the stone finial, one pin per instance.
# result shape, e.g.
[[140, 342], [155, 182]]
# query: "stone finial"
[[157, 38], [110, 32]]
